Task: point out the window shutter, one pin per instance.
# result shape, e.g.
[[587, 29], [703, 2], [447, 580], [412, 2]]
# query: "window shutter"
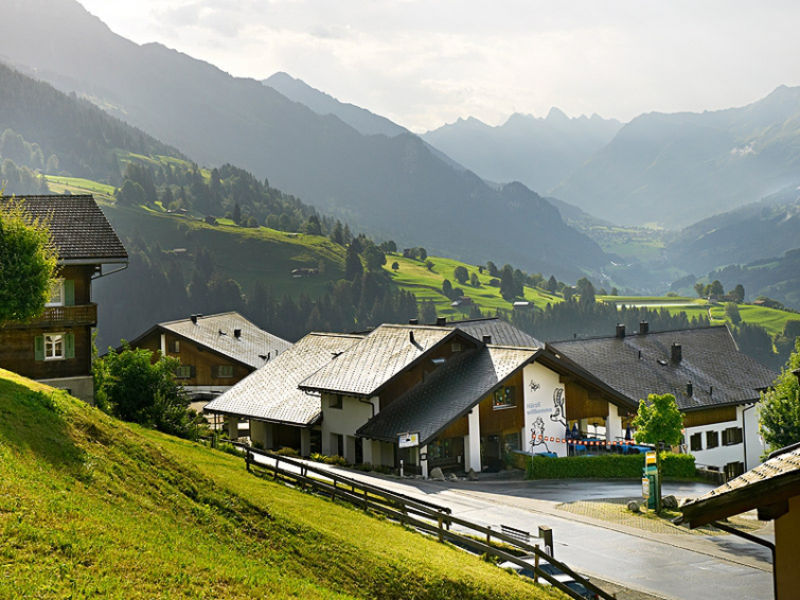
[[38, 347], [69, 345], [192, 371], [69, 292]]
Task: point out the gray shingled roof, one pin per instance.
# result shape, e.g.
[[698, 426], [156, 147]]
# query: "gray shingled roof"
[[271, 393], [449, 392], [79, 229], [502, 332], [373, 361], [719, 373], [216, 332]]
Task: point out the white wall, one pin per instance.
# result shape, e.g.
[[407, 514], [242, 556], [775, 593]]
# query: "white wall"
[[345, 421], [540, 384], [746, 419]]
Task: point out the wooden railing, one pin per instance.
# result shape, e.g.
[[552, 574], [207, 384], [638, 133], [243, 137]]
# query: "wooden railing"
[[424, 516], [80, 314]]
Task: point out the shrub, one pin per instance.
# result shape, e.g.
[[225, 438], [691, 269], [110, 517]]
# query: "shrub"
[[609, 466], [286, 451]]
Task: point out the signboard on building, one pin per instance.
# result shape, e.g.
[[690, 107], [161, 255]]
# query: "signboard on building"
[[408, 440], [545, 411]]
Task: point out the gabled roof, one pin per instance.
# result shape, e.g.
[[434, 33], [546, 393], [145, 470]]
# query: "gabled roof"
[[254, 347], [372, 362], [502, 332], [449, 392], [638, 365], [768, 484], [79, 229], [271, 393]]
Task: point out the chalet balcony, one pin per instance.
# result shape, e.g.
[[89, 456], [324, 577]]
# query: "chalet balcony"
[[60, 316]]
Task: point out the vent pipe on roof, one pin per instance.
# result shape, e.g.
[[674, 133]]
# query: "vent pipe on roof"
[[411, 337], [193, 318], [644, 327], [413, 321], [711, 390], [677, 353], [689, 389], [487, 339], [640, 355], [620, 330], [441, 321], [237, 333]]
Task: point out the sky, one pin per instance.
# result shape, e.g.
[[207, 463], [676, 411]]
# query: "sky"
[[427, 63]]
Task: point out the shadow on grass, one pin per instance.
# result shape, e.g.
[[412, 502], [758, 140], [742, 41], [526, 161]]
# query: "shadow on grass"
[[32, 420]]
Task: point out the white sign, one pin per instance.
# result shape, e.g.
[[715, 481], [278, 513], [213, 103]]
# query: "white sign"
[[408, 440]]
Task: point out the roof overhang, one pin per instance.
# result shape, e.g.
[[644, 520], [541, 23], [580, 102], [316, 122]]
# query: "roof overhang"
[[69, 262], [317, 418]]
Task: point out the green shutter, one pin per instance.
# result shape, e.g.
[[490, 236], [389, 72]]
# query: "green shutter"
[[38, 347], [69, 345], [69, 292], [192, 371]]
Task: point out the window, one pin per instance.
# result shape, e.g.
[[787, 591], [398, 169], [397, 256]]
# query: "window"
[[505, 397], [223, 371], [734, 469], [56, 293], [54, 346], [335, 401], [175, 346], [456, 347], [184, 372], [511, 441], [696, 442], [731, 436], [712, 439]]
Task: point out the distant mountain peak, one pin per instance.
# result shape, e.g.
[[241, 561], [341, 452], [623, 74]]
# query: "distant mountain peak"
[[556, 114]]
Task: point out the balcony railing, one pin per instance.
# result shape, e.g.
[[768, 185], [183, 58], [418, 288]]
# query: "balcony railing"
[[81, 314]]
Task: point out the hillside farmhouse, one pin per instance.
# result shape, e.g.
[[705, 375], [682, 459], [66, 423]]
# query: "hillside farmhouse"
[[716, 386], [56, 347], [215, 351]]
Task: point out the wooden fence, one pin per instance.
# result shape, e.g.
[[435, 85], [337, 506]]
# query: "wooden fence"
[[425, 516]]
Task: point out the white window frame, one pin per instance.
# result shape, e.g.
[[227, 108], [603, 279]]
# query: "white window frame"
[[50, 346], [56, 285]]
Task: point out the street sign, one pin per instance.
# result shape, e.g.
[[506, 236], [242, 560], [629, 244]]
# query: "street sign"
[[408, 440], [645, 488]]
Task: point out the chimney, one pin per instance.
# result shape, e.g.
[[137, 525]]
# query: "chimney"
[[487, 339], [688, 388], [237, 333], [644, 327], [441, 321], [411, 337], [194, 319], [677, 353], [413, 321], [620, 330]]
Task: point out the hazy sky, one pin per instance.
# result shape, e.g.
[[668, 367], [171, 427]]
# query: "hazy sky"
[[424, 63]]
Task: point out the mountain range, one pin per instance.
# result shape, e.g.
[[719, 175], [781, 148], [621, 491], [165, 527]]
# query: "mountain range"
[[393, 187]]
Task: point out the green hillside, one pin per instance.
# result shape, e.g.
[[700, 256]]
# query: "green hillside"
[[91, 506]]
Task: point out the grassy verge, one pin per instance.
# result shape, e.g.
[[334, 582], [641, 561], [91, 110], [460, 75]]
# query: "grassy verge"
[[90, 506]]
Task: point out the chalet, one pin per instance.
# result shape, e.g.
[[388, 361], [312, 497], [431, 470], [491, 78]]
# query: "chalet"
[[773, 489], [463, 395], [215, 351], [56, 347], [716, 386], [279, 413]]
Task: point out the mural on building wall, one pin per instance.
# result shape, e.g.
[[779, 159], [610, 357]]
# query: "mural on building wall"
[[545, 411]]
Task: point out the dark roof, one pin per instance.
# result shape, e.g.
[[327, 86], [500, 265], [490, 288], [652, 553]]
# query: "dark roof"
[[502, 332], [271, 393], [767, 484], [719, 373], [373, 361], [79, 229], [449, 392], [254, 347]]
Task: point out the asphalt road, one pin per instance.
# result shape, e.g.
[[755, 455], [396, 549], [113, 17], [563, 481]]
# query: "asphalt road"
[[667, 566]]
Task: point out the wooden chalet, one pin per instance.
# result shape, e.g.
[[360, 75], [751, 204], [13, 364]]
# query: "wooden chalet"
[[56, 347], [773, 489], [215, 351], [716, 386]]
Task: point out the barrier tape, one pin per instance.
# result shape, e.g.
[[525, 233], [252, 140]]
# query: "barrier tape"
[[585, 442]]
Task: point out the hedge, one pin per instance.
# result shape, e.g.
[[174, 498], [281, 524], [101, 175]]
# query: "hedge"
[[607, 466]]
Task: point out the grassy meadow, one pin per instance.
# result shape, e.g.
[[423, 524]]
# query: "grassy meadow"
[[93, 507]]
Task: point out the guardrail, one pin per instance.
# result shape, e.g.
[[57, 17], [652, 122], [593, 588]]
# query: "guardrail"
[[425, 516]]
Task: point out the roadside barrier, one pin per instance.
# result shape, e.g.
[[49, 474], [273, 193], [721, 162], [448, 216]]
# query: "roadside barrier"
[[427, 517]]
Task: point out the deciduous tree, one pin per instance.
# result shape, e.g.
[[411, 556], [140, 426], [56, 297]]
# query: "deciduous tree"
[[779, 416], [658, 420]]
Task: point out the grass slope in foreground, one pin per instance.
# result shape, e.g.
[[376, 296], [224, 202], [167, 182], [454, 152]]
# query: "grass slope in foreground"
[[91, 506]]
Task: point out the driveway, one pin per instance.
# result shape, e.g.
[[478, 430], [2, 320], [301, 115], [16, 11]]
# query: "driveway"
[[678, 566]]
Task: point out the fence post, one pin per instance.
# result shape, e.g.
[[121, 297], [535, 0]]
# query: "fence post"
[[333, 494], [546, 533], [489, 535], [248, 457], [441, 533], [366, 501], [536, 568]]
